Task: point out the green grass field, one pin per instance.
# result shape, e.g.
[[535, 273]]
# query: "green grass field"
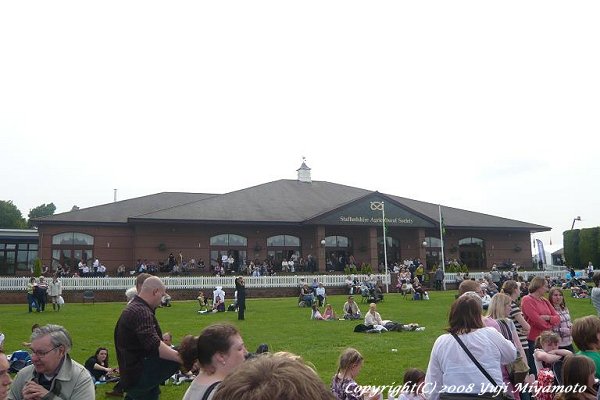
[[278, 322]]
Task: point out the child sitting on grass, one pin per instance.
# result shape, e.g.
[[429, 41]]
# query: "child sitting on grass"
[[329, 314], [315, 313]]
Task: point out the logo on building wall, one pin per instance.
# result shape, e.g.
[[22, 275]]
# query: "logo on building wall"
[[377, 205]]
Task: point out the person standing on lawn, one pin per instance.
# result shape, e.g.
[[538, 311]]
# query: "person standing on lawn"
[[55, 291], [144, 359], [240, 287]]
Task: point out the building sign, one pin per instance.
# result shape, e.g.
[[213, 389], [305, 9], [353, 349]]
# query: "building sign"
[[368, 212]]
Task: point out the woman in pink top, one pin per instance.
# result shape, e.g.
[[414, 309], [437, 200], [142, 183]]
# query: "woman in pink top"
[[539, 313]]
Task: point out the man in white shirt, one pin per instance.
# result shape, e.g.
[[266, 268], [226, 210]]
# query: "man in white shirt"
[[55, 291]]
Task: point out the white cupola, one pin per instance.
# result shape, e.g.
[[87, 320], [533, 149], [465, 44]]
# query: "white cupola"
[[304, 172]]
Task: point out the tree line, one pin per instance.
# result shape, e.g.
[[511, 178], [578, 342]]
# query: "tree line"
[[12, 218]]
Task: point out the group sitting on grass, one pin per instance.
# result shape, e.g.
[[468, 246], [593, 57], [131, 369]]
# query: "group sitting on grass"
[[475, 351]]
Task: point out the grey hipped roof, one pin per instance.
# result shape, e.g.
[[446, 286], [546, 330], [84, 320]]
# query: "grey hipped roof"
[[283, 202], [121, 211]]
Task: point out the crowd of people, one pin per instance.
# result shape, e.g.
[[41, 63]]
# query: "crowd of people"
[[479, 347], [39, 291]]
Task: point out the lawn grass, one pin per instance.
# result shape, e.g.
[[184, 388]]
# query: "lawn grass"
[[278, 322]]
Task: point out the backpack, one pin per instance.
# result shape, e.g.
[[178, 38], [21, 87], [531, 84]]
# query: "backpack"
[[361, 328]]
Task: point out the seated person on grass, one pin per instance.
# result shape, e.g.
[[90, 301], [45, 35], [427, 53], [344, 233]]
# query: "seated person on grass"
[[329, 313], [351, 310], [373, 319], [203, 302], [98, 367], [418, 288], [306, 295], [315, 313]]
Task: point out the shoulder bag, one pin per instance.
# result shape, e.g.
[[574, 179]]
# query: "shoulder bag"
[[209, 390], [518, 369]]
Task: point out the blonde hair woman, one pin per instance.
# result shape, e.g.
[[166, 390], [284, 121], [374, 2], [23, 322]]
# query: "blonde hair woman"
[[499, 310]]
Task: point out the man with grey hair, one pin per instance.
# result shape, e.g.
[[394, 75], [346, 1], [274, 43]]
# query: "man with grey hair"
[[53, 374], [145, 360]]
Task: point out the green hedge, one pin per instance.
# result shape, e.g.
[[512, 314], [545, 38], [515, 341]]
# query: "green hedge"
[[581, 246]]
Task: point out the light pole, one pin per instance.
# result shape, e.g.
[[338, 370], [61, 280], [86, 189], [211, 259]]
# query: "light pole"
[[577, 218]]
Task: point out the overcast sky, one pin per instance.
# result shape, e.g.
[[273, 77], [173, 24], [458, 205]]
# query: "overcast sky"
[[487, 106]]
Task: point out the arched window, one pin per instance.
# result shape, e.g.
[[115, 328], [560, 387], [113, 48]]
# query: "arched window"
[[432, 252], [470, 241], [390, 241], [472, 252], [433, 241], [69, 248], [283, 241], [337, 241], [392, 249], [284, 247], [73, 238], [228, 239], [226, 246], [339, 250]]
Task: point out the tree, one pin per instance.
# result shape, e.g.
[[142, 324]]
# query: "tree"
[[10, 216], [40, 211]]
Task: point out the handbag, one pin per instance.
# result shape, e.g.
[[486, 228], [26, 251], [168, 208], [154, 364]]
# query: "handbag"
[[518, 369], [503, 395]]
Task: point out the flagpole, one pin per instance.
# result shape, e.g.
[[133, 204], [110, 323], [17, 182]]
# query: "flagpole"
[[442, 244], [387, 289]]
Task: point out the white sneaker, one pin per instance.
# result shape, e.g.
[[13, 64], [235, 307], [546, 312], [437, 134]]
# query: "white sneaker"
[[419, 329]]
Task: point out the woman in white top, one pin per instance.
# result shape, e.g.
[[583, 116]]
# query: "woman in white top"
[[373, 318], [451, 374], [219, 349]]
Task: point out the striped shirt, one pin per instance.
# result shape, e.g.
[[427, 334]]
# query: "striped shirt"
[[514, 312], [564, 329]]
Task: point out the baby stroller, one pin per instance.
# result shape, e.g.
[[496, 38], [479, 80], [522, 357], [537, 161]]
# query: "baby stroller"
[[18, 360]]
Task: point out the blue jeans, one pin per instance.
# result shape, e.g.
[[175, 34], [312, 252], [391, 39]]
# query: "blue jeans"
[[31, 302], [156, 371]]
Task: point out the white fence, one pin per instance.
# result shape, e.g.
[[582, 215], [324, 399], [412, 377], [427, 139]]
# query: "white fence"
[[198, 282]]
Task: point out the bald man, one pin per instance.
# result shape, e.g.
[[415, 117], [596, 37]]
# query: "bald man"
[[144, 359]]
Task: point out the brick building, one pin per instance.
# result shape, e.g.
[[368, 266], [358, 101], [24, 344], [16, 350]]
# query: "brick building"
[[299, 219]]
